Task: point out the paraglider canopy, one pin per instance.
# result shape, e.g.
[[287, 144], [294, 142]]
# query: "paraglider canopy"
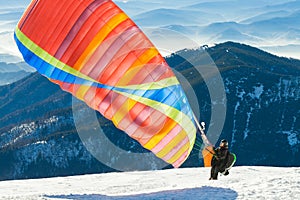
[[93, 50]]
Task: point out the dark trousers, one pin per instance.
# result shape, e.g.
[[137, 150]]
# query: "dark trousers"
[[214, 172], [217, 166]]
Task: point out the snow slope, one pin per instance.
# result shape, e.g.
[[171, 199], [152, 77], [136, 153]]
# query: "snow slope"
[[190, 183]]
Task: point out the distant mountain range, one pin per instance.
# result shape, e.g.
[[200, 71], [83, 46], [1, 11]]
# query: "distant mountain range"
[[38, 137], [162, 17], [258, 23], [269, 25], [264, 26], [10, 77], [14, 70]]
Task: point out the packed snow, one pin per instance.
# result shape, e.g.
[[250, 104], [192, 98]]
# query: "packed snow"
[[257, 92], [189, 183]]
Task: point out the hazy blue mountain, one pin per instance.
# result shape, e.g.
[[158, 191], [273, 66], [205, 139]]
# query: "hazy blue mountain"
[[135, 7], [15, 67], [38, 137], [266, 16], [187, 30], [229, 33], [286, 51], [286, 5], [163, 16], [278, 24], [230, 10], [219, 27], [10, 77], [7, 58], [11, 72], [258, 23]]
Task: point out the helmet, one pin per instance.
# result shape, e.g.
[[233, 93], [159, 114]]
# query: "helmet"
[[224, 143]]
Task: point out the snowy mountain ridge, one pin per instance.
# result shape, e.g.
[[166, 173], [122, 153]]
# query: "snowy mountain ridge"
[[39, 137]]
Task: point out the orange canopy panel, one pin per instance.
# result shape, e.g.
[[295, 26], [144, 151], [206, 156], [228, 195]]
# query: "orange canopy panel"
[[207, 154]]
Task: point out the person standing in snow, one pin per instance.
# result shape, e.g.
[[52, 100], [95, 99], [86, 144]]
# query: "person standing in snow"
[[219, 161]]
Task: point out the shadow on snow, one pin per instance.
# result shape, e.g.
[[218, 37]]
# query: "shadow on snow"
[[193, 193]]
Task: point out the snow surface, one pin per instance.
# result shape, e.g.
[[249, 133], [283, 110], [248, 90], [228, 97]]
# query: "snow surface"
[[189, 183]]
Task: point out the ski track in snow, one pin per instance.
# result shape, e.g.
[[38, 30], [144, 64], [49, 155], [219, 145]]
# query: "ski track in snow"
[[189, 183]]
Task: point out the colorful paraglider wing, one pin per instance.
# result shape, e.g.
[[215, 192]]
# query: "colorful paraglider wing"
[[93, 50]]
